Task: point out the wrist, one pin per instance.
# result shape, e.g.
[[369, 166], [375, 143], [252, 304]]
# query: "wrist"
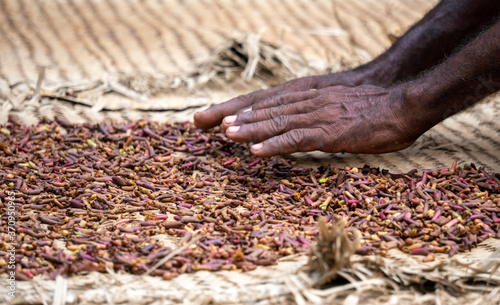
[[423, 104], [364, 75], [378, 72]]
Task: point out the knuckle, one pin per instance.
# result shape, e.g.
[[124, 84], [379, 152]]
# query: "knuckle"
[[327, 138], [252, 116], [280, 123], [271, 101], [245, 99], [249, 99], [275, 111], [261, 103], [280, 100], [294, 139], [276, 101]]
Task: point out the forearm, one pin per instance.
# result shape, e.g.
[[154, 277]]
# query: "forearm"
[[450, 24], [459, 82]]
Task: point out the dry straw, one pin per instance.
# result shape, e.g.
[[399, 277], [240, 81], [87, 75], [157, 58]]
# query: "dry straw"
[[243, 61]]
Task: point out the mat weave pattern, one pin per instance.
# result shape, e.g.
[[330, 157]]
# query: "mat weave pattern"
[[164, 60]]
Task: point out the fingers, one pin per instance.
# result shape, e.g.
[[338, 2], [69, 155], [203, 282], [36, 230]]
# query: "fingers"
[[297, 140], [253, 116], [284, 99], [283, 104], [214, 115], [263, 130]]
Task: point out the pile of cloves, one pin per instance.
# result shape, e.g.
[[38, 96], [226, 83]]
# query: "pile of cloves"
[[96, 196]]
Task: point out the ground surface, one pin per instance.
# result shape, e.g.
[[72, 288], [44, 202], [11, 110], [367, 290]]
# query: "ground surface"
[[121, 57]]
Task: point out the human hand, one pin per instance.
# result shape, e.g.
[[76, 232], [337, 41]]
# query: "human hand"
[[214, 115], [362, 119]]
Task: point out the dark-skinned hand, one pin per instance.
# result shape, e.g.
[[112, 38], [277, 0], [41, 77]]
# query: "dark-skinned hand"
[[214, 115], [362, 119]]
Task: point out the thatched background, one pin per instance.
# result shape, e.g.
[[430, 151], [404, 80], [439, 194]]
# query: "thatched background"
[[166, 59]]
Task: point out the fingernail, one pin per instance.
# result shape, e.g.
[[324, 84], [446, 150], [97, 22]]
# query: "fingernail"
[[233, 129], [248, 109], [229, 119], [257, 146]]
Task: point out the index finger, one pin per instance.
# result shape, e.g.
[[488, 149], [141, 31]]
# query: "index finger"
[[214, 115]]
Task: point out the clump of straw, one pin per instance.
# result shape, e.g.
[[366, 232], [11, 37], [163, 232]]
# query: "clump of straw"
[[332, 252]]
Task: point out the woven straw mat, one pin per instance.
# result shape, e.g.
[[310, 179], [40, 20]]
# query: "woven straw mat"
[[163, 60]]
